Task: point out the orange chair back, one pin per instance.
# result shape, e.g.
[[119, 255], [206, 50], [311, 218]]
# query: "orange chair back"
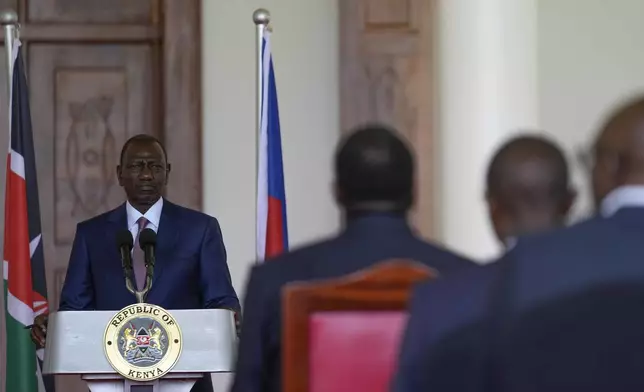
[[342, 335]]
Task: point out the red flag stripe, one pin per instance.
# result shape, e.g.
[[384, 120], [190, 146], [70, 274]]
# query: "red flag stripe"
[[274, 228], [16, 245]]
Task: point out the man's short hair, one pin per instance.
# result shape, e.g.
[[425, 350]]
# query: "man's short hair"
[[142, 138], [373, 164], [506, 180]]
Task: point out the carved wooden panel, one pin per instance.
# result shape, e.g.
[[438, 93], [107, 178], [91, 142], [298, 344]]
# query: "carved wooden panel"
[[102, 95], [91, 11], [386, 76], [85, 163], [395, 14]]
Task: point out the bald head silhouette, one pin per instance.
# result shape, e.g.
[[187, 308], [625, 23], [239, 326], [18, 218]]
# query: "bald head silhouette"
[[618, 151], [374, 171], [528, 187]]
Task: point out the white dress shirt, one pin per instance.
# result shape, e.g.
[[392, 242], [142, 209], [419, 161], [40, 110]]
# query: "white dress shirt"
[[153, 215], [624, 196]]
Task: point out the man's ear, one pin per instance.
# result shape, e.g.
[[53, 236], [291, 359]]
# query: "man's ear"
[[415, 190], [492, 205], [167, 173], [119, 176], [337, 192], [488, 198], [570, 201]]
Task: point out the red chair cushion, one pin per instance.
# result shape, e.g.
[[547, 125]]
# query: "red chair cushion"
[[353, 351]]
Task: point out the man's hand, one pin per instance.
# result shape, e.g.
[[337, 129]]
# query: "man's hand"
[[39, 330]]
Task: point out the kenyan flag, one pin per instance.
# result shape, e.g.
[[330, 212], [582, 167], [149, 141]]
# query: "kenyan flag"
[[23, 262]]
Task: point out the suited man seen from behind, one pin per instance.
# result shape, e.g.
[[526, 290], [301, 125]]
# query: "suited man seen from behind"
[[562, 310], [528, 188], [190, 272], [374, 172]]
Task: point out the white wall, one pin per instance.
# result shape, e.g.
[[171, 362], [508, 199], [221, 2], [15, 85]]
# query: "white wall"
[[590, 58], [305, 57]]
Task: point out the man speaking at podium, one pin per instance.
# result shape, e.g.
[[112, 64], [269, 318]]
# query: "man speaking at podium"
[[190, 270]]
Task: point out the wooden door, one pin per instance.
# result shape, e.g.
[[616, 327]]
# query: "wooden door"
[[386, 74], [99, 72]]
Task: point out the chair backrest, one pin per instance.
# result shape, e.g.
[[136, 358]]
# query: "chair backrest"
[[343, 334]]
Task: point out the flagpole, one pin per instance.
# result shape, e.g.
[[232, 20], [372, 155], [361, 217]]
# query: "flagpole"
[[9, 20], [261, 18]]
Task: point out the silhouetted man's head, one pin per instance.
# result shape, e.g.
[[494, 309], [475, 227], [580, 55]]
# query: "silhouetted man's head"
[[143, 171], [618, 152], [528, 187], [374, 171]]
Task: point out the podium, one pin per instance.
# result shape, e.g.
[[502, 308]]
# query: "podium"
[[76, 345]]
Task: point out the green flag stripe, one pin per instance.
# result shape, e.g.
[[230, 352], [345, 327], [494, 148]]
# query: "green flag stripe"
[[21, 356]]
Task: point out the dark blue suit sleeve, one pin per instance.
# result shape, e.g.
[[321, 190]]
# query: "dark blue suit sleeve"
[[216, 285], [78, 289], [445, 344], [249, 371], [415, 346]]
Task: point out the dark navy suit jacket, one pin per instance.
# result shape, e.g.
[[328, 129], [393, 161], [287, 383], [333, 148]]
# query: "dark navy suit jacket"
[[190, 271], [563, 311], [366, 241]]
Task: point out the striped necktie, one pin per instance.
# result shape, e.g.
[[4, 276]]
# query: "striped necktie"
[[138, 257]]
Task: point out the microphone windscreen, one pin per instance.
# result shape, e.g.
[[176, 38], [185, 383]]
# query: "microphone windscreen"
[[147, 238], [124, 238]]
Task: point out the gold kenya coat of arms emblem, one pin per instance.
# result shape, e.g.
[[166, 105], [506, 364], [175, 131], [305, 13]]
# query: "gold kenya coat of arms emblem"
[[142, 342]]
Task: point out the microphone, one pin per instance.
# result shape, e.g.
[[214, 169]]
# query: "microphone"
[[148, 242], [125, 243]]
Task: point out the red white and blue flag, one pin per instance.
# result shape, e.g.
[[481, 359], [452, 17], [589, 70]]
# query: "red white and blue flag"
[[272, 233], [25, 288]]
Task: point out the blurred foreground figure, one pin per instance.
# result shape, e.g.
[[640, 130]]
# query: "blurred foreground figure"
[[374, 173], [528, 188], [562, 311]]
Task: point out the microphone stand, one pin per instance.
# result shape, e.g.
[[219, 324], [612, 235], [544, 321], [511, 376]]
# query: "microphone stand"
[[149, 274], [128, 269], [140, 295]]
